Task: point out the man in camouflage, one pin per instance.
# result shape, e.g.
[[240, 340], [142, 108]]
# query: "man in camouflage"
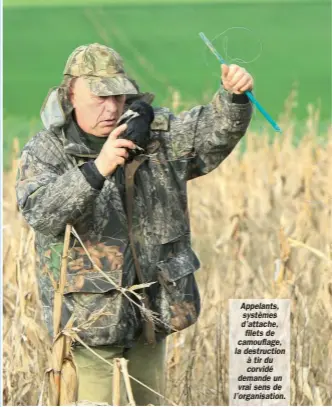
[[72, 172]]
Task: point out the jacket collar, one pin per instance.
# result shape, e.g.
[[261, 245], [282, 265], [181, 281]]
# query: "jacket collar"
[[77, 142]]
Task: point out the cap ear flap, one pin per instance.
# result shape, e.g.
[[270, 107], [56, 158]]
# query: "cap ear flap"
[[64, 94]]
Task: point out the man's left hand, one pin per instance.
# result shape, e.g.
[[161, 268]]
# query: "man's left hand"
[[236, 79]]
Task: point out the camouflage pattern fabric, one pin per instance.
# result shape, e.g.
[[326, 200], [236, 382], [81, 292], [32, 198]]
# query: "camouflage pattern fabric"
[[52, 191], [102, 67]]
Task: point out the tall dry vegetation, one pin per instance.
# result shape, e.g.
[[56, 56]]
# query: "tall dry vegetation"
[[262, 227]]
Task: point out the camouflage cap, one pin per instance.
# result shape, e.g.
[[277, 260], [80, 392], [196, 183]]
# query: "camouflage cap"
[[103, 69]]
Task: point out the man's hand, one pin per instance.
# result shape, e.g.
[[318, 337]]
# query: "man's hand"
[[114, 152], [236, 79]]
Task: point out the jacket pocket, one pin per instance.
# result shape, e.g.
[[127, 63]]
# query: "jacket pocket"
[[95, 305], [177, 302], [102, 315]]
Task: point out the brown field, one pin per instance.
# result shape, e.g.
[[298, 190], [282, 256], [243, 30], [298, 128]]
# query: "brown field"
[[262, 228]]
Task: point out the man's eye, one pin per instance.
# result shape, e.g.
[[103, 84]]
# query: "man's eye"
[[119, 98]]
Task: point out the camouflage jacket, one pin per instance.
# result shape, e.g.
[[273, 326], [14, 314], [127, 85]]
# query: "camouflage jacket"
[[52, 191]]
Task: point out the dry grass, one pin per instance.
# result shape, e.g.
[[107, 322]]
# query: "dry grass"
[[25, 342], [262, 227]]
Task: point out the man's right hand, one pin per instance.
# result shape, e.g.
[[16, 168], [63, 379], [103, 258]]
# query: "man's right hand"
[[114, 152]]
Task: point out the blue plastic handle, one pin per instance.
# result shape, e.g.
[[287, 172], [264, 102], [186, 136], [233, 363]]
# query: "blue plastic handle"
[[247, 92]]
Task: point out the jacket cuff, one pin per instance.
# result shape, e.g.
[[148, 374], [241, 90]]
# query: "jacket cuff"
[[92, 175], [240, 99], [234, 98]]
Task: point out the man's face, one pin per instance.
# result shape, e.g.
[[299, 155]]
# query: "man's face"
[[95, 115]]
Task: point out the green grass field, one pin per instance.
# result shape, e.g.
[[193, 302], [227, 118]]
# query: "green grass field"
[[162, 49], [29, 3]]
